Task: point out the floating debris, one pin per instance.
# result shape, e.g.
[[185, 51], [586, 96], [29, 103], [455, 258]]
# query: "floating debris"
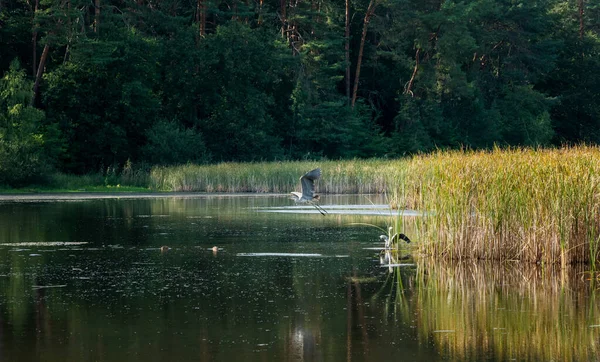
[[48, 286], [35, 254], [279, 254], [45, 243], [362, 279], [397, 265]]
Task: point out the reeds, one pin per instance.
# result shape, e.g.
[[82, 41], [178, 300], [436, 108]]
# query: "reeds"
[[350, 176], [533, 205], [515, 204]]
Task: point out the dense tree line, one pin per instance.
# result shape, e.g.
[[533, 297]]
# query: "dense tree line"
[[91, 84]]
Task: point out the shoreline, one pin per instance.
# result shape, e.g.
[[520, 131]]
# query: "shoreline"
[[69, 196]]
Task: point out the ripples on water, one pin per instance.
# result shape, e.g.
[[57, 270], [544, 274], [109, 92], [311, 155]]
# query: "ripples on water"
[[87, 281]]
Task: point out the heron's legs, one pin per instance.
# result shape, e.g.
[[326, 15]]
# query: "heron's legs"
[[319, 208]]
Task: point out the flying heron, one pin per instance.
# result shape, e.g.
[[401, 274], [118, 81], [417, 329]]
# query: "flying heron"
[[308, 195], [396, 236]]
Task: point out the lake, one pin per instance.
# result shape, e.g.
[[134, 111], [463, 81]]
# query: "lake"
[[86, 280]]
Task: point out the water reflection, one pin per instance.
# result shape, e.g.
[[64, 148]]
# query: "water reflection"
[[91, 281], [478, 311]]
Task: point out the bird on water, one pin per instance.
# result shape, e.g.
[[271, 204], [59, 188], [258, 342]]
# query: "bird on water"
[[388, 241], [308, 196]]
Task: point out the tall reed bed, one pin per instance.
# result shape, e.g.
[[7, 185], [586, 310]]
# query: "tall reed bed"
[[351, 176], [533, 205]]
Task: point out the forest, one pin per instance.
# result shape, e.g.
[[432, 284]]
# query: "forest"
[[87, 85]]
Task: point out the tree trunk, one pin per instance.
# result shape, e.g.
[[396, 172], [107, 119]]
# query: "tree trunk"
[[293, 34], [581, 23], [282, 10], [40, 71], [368, 14], [70, 32], [409, 86], [96, 15], [34, 39], [347, 46], [260, 10], [234, 11], [201, 17]]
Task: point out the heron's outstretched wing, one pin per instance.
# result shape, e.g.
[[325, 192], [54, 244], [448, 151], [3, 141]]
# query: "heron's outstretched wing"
[[308, 183]]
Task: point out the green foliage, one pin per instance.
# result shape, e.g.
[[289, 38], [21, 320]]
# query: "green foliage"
[[324, 125], [170, 144], [526, 117], [243, 72], [575, 82], [104, 104], [23, 152], [267, 80]]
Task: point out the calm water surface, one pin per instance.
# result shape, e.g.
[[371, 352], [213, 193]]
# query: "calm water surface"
[[283, 286]]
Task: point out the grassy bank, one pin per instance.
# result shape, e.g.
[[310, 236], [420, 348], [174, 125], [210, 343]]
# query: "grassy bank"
[[351, 176], [110, 180]]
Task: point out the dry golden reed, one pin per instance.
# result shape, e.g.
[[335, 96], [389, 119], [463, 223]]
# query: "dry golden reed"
[[519, 204]]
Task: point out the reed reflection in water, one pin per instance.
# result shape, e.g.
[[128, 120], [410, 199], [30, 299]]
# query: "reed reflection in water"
[[523, 312]]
